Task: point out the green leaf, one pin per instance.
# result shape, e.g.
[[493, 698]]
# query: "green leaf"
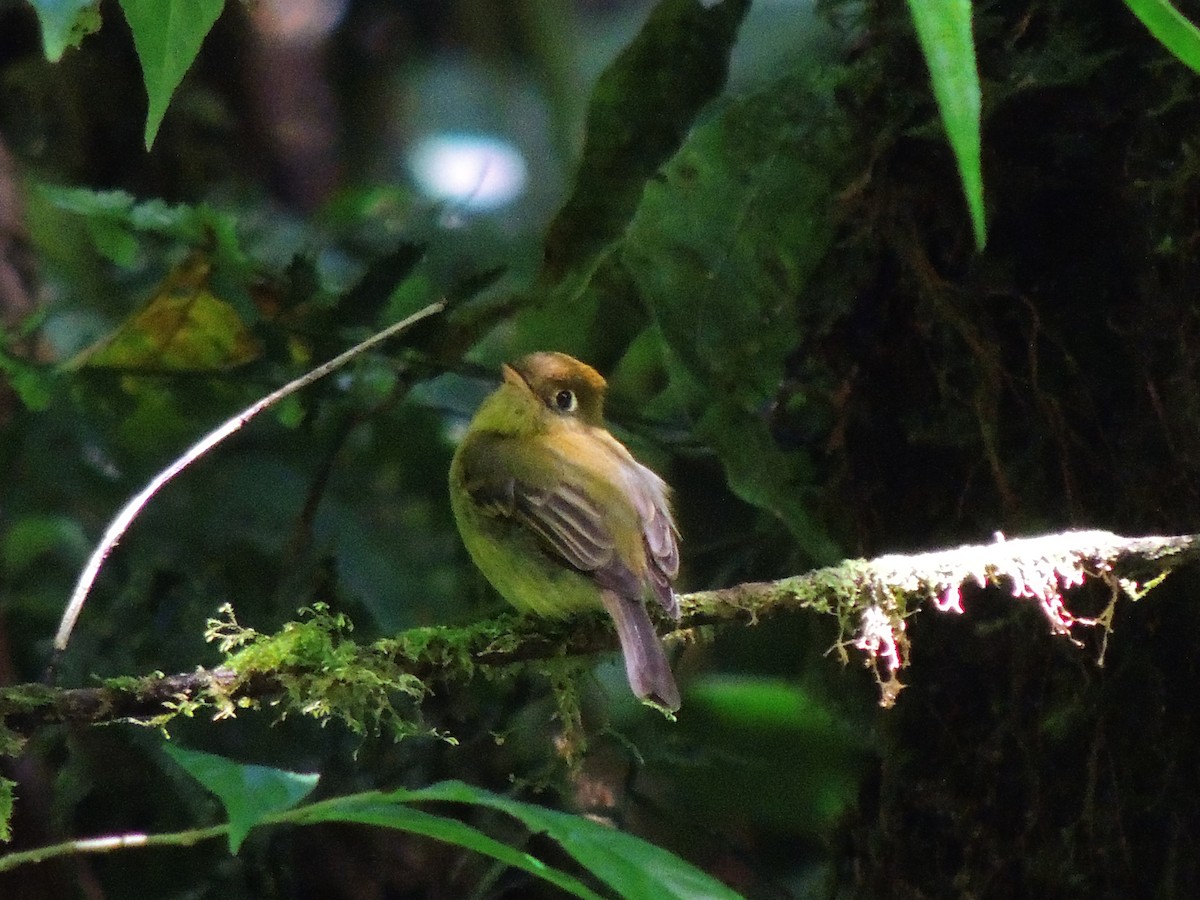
[[110, 217], [765, 476], [944, 30], [727, 236], [65, 23], [781, 733], [630, 866], [106, 214], [32, 537], [6, 809], [249, 793], [641, 108], [167, 35], [743, 702], [640, 111], [34, 384], [724, 242], [114, 220], [1173, 31], [410, 295], [633, 868], [392, 811]]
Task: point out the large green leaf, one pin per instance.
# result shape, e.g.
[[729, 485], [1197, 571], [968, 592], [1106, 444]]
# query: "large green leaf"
[[168, 35], [721, 250], [1174, 31], [392, 811], [65, 23], [254, 795], [249, 793], [944, 30], [727, 236], [632, 867], [640, 110]]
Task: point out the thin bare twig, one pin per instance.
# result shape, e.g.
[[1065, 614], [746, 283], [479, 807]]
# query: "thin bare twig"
[[121, 522]]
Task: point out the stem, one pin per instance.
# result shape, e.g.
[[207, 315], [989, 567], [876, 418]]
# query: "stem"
[[120, 524], [109, 843]]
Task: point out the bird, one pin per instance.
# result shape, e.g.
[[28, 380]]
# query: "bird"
[[559, 516]]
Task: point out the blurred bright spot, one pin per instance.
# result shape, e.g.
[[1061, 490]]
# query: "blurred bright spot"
[[475, 172], [298, 21]]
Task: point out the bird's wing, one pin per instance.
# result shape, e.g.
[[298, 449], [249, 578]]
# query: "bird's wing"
[[545, 492], [500, 477], [650, 499], [659, 535]]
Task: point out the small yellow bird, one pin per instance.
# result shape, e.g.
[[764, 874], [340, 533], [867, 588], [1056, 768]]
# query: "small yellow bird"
[[560, 517]]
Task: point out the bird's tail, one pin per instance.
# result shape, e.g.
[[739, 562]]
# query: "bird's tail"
[[645, 662]]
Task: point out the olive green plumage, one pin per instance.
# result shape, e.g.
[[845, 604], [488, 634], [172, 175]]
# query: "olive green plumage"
[[560, 517]]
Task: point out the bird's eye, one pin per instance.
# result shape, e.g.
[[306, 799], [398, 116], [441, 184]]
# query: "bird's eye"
[[565, 401]]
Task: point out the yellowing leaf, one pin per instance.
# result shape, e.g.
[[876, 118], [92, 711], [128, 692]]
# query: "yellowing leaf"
[[184, 328]]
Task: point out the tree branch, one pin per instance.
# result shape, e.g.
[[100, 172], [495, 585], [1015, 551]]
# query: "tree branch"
[[870, 599]]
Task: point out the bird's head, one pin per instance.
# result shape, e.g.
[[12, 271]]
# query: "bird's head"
[[562, 384]]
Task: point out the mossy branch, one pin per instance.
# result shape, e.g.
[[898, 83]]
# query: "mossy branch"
[[311, 666]]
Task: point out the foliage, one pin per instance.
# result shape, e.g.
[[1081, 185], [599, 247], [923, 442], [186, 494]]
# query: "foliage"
[[944, 29], [803, 331], [1167, 24], [6, 808], [249, 793], [168, 35], [627, 142], [258, 795], [65, 24], [635, 869]]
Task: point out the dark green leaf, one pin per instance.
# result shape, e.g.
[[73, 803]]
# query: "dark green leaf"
[[630, 866], [725, 240], [249, 793], [392, 811], [32, 383], [640, 110], [722, 246], [944, 30], [32, 537]]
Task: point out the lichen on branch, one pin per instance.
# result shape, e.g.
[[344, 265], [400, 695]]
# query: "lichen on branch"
[[312, 667]]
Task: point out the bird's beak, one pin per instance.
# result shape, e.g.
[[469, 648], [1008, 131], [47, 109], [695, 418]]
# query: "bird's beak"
[[513, 377]]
